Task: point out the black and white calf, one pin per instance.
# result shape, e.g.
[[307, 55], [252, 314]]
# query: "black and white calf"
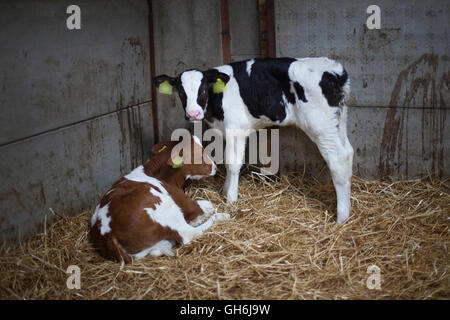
[[308, 93]]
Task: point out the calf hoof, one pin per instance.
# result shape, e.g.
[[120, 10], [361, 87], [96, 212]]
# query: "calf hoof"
[[220, 216], [231, 198], [342, 219]]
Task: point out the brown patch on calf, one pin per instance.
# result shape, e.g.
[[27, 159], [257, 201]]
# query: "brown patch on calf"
[[132, 229]]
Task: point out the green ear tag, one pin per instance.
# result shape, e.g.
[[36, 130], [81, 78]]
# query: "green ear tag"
[[162, 149], [219, 86], [165, 87], [177, 162]]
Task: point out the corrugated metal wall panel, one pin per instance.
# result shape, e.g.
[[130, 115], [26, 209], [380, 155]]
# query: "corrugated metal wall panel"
[[244, 28], [69, 169], [62, 142], [374, 58], [402, 65], [52, 76]]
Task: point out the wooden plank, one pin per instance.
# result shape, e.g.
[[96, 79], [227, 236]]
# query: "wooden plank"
[[225, 24], [270, 25], [267, 40], [262, 27], [152, 72]]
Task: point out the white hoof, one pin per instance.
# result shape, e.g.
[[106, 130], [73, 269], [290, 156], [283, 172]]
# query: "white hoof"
[[232, 197], [220, 216], [342, 218]]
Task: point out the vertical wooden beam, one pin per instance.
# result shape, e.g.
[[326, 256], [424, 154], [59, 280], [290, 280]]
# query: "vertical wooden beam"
[[270, 25], [266, 9], [271, 53], [262, 27], [152, 72], [225, 23]]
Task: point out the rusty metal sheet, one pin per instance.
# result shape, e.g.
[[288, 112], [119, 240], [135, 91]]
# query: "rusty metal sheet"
[[419, 145], [410, 30]]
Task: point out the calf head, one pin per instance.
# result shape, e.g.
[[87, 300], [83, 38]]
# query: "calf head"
[[193, 88], [187, 158]]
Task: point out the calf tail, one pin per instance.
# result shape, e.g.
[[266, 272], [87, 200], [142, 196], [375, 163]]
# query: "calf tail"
[[119, 251], [108, 246]]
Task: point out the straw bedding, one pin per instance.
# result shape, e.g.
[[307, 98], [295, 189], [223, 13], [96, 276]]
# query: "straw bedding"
[[281, 243]]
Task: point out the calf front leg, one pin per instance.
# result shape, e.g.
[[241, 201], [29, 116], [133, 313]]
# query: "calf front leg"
[[207, 208], [234, 159], [188, 232]]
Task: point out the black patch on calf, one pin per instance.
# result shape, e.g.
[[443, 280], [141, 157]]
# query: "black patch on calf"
[[182, 95], [215, 105], [332, 87], [202, 94], [214, 109], [300, 91], [262, 91]]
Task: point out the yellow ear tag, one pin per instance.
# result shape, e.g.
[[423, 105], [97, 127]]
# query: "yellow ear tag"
[[162, 149], [177, 162], [165, 87], [219, 86]]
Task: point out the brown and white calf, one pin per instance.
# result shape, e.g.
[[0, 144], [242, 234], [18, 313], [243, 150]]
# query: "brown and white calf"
[[147, 211]]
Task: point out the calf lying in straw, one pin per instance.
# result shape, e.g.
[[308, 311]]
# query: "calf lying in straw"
[[146, 211]]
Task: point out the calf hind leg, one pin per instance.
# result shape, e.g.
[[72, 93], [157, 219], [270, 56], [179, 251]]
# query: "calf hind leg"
[[339, 160], [331, 139]]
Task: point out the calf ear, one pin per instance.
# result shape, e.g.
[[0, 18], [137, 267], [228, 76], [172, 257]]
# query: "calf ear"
[[164, 83], [213, 74], [217, 79]]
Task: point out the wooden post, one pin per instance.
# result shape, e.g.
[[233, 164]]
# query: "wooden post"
[[266, 10], [152, 73], [270, 21], [225, 23]]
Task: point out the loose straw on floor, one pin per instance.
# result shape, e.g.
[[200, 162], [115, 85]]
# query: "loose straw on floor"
[[281, 243]]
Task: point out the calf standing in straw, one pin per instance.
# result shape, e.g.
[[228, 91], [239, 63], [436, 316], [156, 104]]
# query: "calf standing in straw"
[[243, 96], [146, 211]]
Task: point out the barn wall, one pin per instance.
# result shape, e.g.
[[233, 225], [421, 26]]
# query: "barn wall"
[[75, 106], [399, 104], [399, 100], [187, 36], [244, 29]]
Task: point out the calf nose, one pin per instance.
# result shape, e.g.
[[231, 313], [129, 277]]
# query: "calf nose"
[[195, 114]]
